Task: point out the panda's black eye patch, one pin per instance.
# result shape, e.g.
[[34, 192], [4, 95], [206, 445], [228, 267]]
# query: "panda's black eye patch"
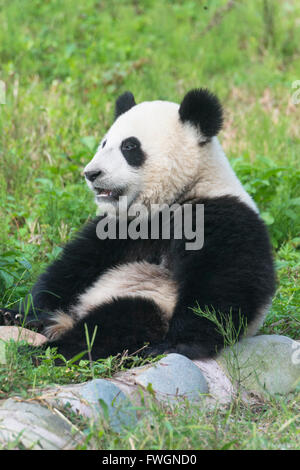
[[130, 143], [132, 151], [103, 143]]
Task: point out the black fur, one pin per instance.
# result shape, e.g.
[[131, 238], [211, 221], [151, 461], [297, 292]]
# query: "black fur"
[[203, 110], [124, 103], [232, 273], [124, 325], [132, 150]]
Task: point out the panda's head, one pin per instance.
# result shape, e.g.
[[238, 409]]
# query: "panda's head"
[[154, 152]]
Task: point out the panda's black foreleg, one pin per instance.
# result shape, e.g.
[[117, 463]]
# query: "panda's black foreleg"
[[126, 324]]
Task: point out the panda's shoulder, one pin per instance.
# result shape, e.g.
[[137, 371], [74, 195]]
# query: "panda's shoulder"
[[228, 216], [230, 208]]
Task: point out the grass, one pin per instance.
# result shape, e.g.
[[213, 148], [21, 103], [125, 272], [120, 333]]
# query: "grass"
[[27, 370], [64, 63], [265, 426]]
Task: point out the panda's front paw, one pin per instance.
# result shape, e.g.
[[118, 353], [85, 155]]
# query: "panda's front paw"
[[10, 317]]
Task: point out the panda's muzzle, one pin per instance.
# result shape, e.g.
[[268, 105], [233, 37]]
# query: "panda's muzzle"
[[92, 175], [102, 191], [114, 193]]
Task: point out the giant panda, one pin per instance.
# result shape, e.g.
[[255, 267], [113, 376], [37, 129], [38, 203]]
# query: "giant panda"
[[141, 293]]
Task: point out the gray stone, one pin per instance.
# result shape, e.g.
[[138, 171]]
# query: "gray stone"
[[95, 398], [173, 377], [266, 364], [18, 333], [35, 427]]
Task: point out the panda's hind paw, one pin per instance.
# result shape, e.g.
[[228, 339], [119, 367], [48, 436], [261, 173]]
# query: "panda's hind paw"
[[157, 350], [10, 317]]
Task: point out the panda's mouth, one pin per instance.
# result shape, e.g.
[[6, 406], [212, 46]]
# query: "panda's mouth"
[[104, 193]]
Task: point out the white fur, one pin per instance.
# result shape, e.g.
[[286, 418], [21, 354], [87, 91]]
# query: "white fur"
[[138, 279], [61, 322], [258, 321]]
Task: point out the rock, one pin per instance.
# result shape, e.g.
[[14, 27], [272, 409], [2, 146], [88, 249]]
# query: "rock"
[[266, 364], [33, 426], [257, 366], [173, 377], [95, 398], [17, 333]]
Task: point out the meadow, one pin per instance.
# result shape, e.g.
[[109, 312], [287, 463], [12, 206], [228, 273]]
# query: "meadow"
[[63, 64]]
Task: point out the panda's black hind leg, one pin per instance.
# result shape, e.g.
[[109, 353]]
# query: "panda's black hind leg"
[[125, 324]]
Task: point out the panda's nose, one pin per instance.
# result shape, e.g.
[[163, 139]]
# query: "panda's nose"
[[92, 175]]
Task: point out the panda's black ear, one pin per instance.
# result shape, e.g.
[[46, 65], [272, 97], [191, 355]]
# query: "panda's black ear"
[[202, 109], [124, 103]]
